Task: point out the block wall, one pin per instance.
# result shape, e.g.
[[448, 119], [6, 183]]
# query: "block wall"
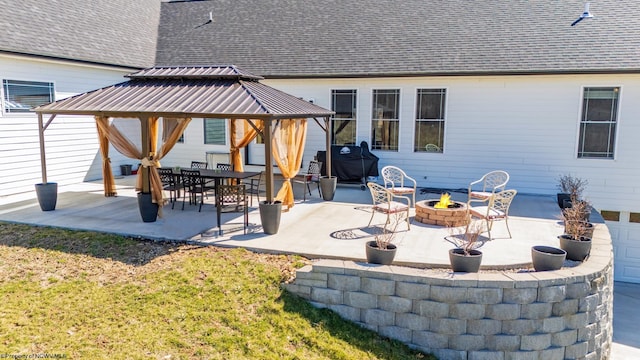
[[501, 315]]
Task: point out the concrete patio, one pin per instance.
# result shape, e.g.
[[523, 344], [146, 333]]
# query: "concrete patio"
[[315, 228]]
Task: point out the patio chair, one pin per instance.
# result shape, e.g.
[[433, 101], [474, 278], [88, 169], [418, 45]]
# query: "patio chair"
[[492, 182], [496, 209], [232, 198], [386, 202], [170, 183], [398, 182], [253, 186], [224, 167], [432, 148], [194, 184], [199, 165], [312, 176]]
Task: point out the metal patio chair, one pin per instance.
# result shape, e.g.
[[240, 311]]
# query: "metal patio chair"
[[398, 182], [253, 186], [224, 167], [170, 183], [386, 202], [232, 198], [312, 176], [496, 209], [199, 165], [492, 182], [194, 184]]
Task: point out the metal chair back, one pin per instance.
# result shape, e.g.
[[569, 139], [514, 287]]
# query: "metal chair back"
[[232, 198], [199, 165]]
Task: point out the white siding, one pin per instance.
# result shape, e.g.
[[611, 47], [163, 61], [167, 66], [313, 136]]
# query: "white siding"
[[71, 143], [526, 125], [193, 148]]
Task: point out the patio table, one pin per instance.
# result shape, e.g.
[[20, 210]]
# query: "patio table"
[[218, 175]]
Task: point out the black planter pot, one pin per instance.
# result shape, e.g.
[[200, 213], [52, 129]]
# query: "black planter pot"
[[148, 210], [465, 263], [270, 216], [328, 187], [564, 200], [547, 258], [47, 194], [577, 250], [376, 255]]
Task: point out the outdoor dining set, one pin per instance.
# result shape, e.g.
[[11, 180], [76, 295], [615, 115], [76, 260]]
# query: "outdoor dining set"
[[231, 189]]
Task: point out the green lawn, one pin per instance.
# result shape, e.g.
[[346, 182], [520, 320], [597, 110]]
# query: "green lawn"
[[97, 296]]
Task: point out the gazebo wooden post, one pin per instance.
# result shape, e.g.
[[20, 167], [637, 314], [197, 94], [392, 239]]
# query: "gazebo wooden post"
[[327, 124], [43, 161], [144, 130], [46, 192], [268, 160]]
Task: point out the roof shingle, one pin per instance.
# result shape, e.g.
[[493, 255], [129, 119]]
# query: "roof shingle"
[[332, 38], [112, 32]]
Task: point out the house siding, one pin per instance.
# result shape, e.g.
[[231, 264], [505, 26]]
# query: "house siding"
[[526, 125], [71, 142]]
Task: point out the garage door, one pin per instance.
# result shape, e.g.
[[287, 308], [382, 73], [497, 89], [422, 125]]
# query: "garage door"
[[626, 247]]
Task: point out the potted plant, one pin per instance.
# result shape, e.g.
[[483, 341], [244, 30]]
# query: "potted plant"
[[576, 240], [47, 194], [381, 250], [571, 189], [545, 258], [148, 209], [270, 216], [466, 257], [328, 187]]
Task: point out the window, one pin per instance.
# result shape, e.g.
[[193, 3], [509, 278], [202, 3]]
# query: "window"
[[429, 132], [598, 122], [385, 123], [610, 215], [343, 102], [214, 131], [21, 96]]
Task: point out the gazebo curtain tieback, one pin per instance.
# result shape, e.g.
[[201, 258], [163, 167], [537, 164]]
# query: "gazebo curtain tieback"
[[150, 162]]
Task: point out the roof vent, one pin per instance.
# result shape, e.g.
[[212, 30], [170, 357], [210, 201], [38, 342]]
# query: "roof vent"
[[585, 15]]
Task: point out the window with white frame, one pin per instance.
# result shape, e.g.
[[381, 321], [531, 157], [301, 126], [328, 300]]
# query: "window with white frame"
[[385, 121], [429, 129], [343, 102], [214, 131], [21, 96], [598, 122]]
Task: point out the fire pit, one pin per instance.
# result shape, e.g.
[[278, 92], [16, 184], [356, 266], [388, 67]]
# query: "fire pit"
[[443, 212]]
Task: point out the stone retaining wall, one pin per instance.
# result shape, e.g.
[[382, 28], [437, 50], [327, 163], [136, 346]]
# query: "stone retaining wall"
[[564, 314]]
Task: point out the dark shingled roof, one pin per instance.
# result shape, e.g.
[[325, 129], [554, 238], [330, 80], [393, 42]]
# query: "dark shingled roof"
[[112, 32], [333, 38]]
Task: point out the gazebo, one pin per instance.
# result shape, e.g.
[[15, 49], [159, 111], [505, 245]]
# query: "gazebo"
[[177, 94]]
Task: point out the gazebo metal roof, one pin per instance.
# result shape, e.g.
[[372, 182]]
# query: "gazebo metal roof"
[[214, 91], [201, 91]]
